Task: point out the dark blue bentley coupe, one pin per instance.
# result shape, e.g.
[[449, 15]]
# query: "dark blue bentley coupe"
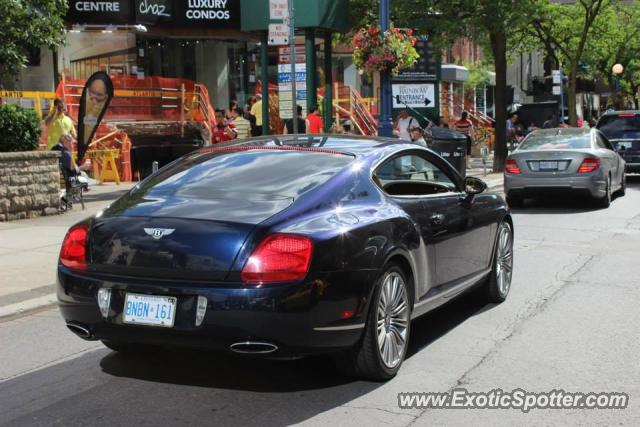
[[285, 247]]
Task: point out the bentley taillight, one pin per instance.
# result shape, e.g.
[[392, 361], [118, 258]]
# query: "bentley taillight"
[[279, 258], [74, 248]]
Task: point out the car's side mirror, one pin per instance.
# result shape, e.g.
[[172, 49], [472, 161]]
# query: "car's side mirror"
[[473, 185]]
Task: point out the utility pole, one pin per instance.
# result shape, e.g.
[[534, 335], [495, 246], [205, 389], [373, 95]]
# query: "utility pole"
[[561, 94], [385, 123], [292, 48]]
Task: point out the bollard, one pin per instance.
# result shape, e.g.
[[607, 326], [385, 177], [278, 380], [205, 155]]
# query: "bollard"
[[154, 167]]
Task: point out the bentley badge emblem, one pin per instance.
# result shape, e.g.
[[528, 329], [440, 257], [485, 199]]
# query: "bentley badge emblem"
[[159, 233]]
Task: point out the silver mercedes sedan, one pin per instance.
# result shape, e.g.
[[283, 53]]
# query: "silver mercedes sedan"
[[566, 160]]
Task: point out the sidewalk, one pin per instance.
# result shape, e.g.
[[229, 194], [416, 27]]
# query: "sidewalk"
[[29, 252]]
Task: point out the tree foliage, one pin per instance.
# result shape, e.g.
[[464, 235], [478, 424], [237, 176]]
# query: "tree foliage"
[[26, 24], [620, 45], [567, 32], [488, 22]]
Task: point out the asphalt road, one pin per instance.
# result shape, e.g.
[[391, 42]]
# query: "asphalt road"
[[571, 323]]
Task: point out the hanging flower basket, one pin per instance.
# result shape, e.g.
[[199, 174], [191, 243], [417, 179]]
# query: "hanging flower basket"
[[391, 50]]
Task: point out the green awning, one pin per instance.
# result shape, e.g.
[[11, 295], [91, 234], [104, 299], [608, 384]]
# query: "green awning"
[[323, 14]]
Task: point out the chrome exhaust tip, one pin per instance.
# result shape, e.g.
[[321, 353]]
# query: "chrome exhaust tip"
[[252, 347], [80, 331]]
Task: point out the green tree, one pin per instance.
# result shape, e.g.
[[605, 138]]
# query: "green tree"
[[26, 24], [489, 22], [567, 32], [621, 45]]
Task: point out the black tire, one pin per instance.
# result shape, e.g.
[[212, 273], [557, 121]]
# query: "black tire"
[[365, 361], [494, 290], [623, 187], [605, 202], [515, 202], [128, 348]]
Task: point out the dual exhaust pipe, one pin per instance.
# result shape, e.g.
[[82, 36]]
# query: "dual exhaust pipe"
[[245, 347], [253, 347], [80, 331]]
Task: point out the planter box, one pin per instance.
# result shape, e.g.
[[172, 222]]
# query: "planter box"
[[29, 184]]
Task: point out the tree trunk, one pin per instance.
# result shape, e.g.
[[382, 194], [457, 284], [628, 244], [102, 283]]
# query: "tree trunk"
[[499, 48], [571, 95]]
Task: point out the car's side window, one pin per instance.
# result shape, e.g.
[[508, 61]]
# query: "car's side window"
[[607, 143], [412, 175], [601, 142]]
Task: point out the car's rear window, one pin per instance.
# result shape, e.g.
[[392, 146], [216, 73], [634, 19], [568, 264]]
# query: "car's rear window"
[[556, 142], [287, 173], [620, 126]]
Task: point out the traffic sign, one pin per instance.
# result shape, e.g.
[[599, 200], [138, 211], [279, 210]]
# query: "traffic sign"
[[279, 10], [557, 90], [278, 34]]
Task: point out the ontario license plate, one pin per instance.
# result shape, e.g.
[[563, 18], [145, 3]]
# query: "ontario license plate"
[[548, 165], [152, 310]]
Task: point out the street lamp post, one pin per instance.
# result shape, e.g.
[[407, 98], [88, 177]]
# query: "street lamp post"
[[385, 123], [617, 70]]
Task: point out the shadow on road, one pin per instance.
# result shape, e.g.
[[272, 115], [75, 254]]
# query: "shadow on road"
[[431, 326], [570, 203], [186, 387]]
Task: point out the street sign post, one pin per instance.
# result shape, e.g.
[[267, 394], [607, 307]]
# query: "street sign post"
[[279, 26], [558, 89], [278, 34], [282, 31]]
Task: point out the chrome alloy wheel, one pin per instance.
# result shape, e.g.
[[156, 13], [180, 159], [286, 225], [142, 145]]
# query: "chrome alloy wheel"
[[392, 320], [504, 259]]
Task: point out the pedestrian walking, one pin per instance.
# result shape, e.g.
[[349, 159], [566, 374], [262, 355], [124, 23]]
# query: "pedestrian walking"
[[403, 125], [465, 126], [313, 121], [549, 123], [223, 131], [302, 124], [417, 136], [58, 123], [256, 111], [241, 125]]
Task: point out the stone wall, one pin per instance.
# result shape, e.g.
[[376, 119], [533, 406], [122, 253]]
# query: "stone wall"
[[29, 184]]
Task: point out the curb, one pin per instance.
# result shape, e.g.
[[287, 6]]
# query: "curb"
[[25, 307]]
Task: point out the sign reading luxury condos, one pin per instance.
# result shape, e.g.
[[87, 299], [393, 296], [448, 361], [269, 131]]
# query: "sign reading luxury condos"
[[207, 13]]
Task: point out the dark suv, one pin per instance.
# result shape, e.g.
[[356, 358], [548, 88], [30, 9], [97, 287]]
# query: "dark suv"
[[622, 128]]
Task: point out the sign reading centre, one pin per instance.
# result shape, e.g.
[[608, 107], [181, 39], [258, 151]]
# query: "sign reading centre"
[[419, 95], [99, 12]]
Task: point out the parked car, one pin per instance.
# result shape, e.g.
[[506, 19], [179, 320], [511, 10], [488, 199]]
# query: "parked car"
[[622, 129], [286, 247], [565, 160]]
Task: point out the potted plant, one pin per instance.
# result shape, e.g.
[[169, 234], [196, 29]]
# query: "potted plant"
[[377, 51]]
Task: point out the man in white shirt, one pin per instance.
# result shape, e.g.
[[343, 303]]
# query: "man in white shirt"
[[403, 125]]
